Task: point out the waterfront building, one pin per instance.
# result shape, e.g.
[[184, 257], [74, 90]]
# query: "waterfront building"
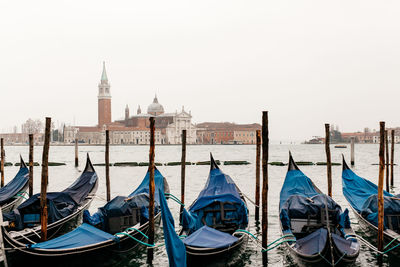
[[226, 133]]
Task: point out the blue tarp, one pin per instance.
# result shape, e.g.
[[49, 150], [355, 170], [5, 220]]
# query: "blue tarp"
[[362, 196], [122, 205], [175, 248], [207, 237], [14, 186], [82, 236], [219, 189], [314, 243], [59, 204]]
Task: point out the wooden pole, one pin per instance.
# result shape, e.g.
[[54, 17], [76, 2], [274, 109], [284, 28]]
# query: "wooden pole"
[[76, 153], [392, 160], [265, 147], [151, 190], [352, 151], [258, 154], [380, 185], [107, 160], [387, 159], [44, 182], [183, 169], [2, 161], [31, 165], [328, 159]]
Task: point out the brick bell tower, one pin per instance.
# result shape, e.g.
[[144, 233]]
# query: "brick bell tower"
[[104, 99]]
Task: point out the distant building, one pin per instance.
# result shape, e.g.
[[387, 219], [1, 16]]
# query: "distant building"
[[226, 133]]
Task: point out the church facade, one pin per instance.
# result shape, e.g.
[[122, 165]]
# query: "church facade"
[[132, 129]]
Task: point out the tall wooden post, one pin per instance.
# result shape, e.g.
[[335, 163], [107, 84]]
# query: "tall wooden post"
[[258, 154], [380, 185], [107, 160], [328, 159], [392, 159], [265, 147], [387, 159], [44, 182], [183, 169], [76, 153], [31, 165], [151, 190], [352, 151], [2, 161]]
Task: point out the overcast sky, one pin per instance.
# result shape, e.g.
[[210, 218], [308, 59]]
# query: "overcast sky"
[[306, 62]]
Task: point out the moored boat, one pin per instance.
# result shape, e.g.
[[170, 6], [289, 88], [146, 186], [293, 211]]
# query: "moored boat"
[[212, 222], [12, 194], [362, 197], [314, 228], [65, 210], [113, 234]]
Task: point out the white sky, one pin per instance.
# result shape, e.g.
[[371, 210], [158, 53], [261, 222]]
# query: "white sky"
[[306, 62]]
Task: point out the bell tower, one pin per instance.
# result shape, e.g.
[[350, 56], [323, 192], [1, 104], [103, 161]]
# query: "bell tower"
[[104, 99]]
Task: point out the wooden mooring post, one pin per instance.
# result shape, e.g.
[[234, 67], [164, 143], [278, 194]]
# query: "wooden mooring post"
[[328, 159], [352, 151], [150, 251], [387, 159], [76, 153], [30, 165], [44, 182], [2, 161], [265, 147], [258, 154], [380, 185], [107, 161], [183, 170], [392, 159]]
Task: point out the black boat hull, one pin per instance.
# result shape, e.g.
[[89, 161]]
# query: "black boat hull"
[[108, 253], [216, 257], [14, 203]]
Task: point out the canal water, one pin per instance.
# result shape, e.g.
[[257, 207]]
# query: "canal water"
[[125, 179]]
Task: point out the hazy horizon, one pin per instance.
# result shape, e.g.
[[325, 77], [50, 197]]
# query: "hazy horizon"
[[306, 62]]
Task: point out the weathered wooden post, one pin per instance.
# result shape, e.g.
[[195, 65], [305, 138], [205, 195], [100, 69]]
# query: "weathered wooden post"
[[380, 185], [76, 153], [258, 154], [352, 151], [107, 160], [265, 147], [44, 182], [387, 159], [2, 161], [30, 165], [328, 159], [151, 192], [392, 160], [183, 169]]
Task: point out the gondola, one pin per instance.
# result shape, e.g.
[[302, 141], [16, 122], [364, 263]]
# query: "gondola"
[[314, 228], [65, 210], [362, 197], [212, 221], [111, 235], [12, 194]]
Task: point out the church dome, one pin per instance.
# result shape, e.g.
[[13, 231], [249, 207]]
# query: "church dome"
[[155, 108]]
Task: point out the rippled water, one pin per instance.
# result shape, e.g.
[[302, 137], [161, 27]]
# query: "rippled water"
[[125, 179]]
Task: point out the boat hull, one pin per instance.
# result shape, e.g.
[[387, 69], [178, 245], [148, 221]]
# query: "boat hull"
[[107, 253], [8, 207]]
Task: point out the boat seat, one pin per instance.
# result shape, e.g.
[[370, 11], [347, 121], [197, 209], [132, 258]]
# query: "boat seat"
[[314, 222], [220, 216]]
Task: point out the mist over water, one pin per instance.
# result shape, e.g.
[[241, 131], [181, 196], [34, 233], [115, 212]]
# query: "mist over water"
[[125, 179]]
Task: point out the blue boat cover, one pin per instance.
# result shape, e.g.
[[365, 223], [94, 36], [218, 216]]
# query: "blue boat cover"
[[219, 190], [175, 248], [10, 190], [59, 204], [207, 237], [123, 206], [313, 243], [84, 235], [362, 196]]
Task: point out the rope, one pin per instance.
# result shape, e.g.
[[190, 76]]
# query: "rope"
[[137, 240], [131, 228], [175, 199], [270, 244], [394, 239], [251, 201]]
